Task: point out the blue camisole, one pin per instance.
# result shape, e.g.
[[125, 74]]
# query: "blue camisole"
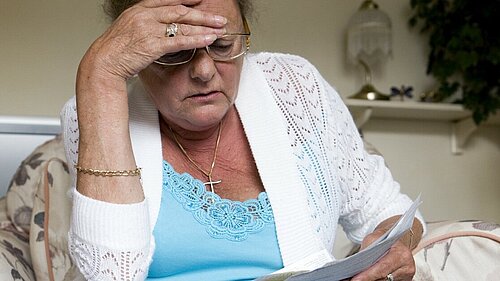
[[200, 236]]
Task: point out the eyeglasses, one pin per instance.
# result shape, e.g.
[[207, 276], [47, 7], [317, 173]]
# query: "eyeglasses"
[[228, 47]]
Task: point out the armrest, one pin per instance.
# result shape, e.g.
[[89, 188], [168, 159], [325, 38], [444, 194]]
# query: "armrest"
[[459, 250], [50, 223]]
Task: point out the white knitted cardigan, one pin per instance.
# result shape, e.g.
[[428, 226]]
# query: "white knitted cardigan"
[[308, 153]]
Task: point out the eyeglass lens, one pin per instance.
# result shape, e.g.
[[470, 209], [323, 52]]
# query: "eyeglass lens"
[[224, 48]]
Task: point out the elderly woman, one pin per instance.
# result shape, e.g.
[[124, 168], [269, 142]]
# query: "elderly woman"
[[214, 164]]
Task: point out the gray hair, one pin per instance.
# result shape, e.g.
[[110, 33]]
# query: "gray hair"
[[114, 8]]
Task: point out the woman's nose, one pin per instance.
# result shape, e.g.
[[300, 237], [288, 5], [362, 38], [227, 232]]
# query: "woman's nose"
[[202, 66]]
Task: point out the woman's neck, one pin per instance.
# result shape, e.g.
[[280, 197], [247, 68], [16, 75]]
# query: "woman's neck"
[[194, 140]]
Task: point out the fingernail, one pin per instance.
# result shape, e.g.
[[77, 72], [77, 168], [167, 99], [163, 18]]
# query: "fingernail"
[[221, 31], [220, 20], [210, 38]]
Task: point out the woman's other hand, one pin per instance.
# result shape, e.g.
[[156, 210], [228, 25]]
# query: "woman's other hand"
[[399, 259], [137, 37]]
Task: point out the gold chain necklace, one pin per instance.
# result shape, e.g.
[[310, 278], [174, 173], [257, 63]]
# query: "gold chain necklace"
[[209, 173]]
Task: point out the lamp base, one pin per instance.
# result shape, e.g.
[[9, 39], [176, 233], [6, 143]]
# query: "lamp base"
[[368, 92]]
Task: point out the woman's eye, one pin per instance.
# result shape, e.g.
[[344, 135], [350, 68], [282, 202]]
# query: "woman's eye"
[[170, 56], [176, 57], [221, 47]]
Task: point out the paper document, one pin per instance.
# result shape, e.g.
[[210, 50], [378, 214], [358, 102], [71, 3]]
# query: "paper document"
[[350, 266]]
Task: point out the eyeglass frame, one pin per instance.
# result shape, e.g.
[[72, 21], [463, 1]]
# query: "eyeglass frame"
[[207, 48]]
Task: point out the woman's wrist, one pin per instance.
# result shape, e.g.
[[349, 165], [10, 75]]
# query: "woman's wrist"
[[411, 238], [93, 77], [413, 235]]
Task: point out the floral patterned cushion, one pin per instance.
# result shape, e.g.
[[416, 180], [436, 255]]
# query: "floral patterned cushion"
[[24, 184], [16, 213], [50, 223], [15, 259], [464, 250], [37, 214]]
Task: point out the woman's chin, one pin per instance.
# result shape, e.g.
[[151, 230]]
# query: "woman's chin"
[[205, 119]]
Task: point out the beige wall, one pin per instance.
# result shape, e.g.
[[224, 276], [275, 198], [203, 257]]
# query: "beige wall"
[[42, 41]]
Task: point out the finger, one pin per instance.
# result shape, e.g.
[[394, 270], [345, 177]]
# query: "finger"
[[159, 3], [187, 37], [189, 42], [187, 15], [174, 44], [370, 238], [190, 30], [377, 271], [398, 261], [401, 274]]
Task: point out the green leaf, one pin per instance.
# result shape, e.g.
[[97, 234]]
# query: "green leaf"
[[464, 46]]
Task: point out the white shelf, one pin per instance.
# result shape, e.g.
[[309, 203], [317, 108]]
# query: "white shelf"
[[462, 124]]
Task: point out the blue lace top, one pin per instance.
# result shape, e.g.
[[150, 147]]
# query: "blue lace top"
[[200, 236]]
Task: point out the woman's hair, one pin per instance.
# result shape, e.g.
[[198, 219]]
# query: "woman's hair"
[[113, 8]]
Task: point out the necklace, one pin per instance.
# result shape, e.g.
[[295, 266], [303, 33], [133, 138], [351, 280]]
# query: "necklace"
[[196, 165]]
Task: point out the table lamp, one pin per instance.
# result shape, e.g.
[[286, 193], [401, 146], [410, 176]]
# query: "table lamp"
[[369, 41]]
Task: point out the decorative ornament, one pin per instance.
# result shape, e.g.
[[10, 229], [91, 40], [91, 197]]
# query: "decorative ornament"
[[402, 92]]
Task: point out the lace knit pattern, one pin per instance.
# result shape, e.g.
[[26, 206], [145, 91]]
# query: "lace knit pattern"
[[329, 151], [98, 263], [226, 219]]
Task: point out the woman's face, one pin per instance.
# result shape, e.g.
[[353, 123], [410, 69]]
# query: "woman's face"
[[198, 94]]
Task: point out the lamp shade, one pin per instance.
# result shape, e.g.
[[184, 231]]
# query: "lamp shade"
[[369, 36]]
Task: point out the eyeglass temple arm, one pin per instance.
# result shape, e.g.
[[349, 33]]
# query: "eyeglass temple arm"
[[246, 26]]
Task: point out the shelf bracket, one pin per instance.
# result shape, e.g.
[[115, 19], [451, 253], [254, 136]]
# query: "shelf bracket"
[[361, 117], [461, 131]]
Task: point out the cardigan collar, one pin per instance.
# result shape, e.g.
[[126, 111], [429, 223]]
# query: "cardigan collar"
[[265, 128]]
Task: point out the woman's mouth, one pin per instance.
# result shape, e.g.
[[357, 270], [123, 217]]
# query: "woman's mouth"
[[205, 97]]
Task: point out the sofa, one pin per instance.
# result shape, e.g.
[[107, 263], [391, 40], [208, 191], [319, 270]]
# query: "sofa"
[[34, 221]]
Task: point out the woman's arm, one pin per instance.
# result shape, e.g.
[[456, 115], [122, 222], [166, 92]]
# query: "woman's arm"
[[106, 241], [133, 42], [110, 236], [104, 137], [372, 197]]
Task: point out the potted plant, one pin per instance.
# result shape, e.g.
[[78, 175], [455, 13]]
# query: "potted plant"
[[464, 41]]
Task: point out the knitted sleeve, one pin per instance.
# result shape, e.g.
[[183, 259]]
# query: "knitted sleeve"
[[106, 241], [345, 184], [371, 194]]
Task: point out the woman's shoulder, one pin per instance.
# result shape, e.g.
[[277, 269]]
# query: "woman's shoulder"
[[68, 113], [284, 66], [284, 59]]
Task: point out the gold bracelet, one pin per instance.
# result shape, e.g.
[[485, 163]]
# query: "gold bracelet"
[[109, 173]]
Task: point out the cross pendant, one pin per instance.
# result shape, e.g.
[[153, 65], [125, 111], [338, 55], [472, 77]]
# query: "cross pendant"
[[211, 183]]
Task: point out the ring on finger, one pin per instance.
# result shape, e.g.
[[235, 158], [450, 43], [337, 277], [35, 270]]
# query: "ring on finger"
[[389, 277], [172, 30]]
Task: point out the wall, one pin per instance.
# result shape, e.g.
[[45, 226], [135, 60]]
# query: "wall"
[[42, 42], [452, 187]]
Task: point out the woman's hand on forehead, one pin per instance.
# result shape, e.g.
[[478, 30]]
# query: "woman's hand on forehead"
[[138, 36], [183, 12]]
